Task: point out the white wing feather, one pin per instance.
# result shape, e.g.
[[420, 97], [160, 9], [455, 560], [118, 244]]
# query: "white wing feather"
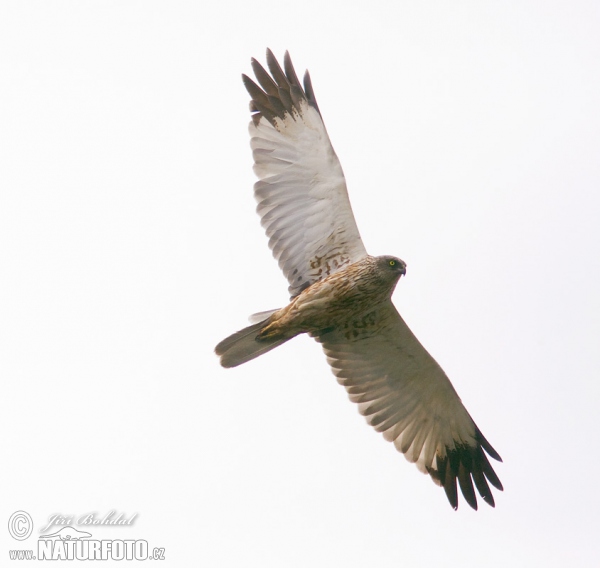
[[302, 198], [405, 394]]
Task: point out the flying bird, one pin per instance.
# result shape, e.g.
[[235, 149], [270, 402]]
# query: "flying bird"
[[341, 296]]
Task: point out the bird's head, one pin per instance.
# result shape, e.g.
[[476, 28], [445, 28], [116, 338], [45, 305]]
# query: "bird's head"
[[392, 265], [389, 270]]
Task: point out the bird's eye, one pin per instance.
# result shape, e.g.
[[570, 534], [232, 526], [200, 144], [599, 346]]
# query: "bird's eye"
[[392, 263]]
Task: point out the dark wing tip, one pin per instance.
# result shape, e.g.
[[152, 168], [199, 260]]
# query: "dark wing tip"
[[310, 93], [469, 466], [487, 446], [278, 91]]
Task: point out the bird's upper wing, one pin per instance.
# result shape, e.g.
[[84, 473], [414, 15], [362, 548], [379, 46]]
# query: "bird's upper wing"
[[301, 193], [404, 393]]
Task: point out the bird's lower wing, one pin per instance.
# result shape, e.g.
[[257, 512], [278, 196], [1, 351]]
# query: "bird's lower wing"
[[302, 198], [405, 394]]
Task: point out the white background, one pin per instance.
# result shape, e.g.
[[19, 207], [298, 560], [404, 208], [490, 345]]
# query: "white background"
[[469, 133]]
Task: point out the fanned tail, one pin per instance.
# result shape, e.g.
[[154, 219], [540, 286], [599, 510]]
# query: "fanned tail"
[[243, 345]]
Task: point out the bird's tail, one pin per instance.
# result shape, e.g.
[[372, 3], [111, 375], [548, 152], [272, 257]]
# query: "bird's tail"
[[244, 345]]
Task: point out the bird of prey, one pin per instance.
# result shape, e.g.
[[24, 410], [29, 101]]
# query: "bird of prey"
[[341, 296]]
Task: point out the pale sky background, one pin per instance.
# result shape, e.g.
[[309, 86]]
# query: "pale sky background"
[[469, 133]]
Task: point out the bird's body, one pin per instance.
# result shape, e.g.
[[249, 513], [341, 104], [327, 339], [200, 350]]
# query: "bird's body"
[[339, 299], [342, 300], [342, 296]]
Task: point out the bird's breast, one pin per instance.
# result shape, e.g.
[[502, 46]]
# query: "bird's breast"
[[338, 298]]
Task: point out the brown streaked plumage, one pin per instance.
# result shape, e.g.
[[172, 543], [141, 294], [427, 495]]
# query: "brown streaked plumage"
[[342, 296]]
